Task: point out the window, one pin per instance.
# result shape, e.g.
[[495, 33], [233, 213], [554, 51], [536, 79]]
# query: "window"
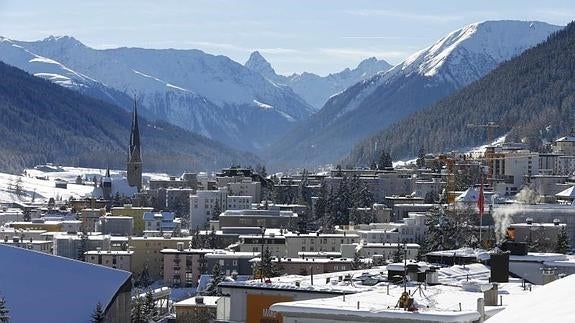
[[234, 262]]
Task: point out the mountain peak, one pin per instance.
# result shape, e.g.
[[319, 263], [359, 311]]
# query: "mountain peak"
[[257, 63], [63, 40]]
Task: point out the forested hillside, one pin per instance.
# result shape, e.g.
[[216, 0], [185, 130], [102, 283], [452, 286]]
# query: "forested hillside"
[[532, 96], [42, 122]]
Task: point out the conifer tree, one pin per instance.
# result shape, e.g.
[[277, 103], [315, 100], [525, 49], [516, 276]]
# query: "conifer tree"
[[98, 314], [149, 305], [356, 264], [4, 312], [562, 244], [218, 276], [268, 268], [398, 254]]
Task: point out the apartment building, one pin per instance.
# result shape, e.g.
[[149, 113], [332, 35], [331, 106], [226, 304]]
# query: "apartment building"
[[316, 242]]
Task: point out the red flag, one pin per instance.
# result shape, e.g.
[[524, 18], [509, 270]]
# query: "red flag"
[[481, 199]]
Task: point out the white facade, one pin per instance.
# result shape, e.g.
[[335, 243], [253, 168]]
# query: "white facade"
[[203, 205], [512, 168]]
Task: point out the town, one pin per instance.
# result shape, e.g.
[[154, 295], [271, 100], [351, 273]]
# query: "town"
[[455, 237]]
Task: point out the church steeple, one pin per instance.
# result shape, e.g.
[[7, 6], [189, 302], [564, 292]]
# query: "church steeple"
[[135, 153]]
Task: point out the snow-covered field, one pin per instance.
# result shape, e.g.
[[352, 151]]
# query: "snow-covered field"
[[39, 183]]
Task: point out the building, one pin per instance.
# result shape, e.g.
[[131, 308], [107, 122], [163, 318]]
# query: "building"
[[231, 262], [71, 245], [204, 204], [272, 218], [71, 226], [117, 259], [34, 285], [11, 215], [307, 266], [30, 244], [246, 187], [162, 221], [384, 250], [271, 240], [148, 256], [564, 145], [187, 180], [115, 225], [190, 309], [543, 234], [89, 218], [183, 267], [178, 200], [314, 242], [135, 212]]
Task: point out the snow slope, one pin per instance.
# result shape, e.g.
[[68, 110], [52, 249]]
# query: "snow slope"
[[207, 94], [40, 66], [315, 89], [40, 183]]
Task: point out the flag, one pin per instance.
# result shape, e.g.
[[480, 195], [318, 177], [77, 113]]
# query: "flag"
[[481, 200]]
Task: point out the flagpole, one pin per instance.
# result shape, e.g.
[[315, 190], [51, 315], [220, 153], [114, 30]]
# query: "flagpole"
[[480, 203]]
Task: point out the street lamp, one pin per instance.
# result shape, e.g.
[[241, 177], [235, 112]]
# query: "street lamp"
[[263, 231]]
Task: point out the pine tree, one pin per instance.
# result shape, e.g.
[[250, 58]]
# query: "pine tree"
[[385, 160], [562, 243], [149, 305], [398, 254], [267, 267], [420, 162], [98, 314], [144, 279], [83, 247], [137, 314], [217, 277], [356, 264], [216, 211], [4, 312]]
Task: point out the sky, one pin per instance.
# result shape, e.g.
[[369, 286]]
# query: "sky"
[[319, 36]]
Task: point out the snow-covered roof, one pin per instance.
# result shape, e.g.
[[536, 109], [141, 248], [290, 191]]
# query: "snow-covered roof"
[[567, 194], [550, 303], [566, 139], [44, 288], [480, 254], [206, 301], [439, 303], [470, 195]]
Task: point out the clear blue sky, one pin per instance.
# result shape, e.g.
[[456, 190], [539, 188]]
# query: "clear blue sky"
[[318, 36]]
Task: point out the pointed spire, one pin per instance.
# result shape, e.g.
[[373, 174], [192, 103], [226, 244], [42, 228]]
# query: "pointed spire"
[[135, 132]]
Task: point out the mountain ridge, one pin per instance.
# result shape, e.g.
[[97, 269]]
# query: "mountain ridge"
[[422, 79], [531, 96], [49, 123]]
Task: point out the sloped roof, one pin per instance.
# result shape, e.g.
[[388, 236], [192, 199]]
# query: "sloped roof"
[[568, 193], [469, 196], [39, 287], [550, 303]]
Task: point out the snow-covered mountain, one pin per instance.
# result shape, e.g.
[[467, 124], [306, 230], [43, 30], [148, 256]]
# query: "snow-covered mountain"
[[315, 89], [207, 94], [451, 63], [20, 57]]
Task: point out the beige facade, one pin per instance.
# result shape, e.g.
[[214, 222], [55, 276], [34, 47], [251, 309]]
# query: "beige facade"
[[89, 218], [136, 213], [147, 253], [111, 258], [295, 243]]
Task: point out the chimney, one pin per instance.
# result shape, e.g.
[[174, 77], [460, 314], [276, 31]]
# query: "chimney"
[[180, 246], [199, 300], [499, 262]]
